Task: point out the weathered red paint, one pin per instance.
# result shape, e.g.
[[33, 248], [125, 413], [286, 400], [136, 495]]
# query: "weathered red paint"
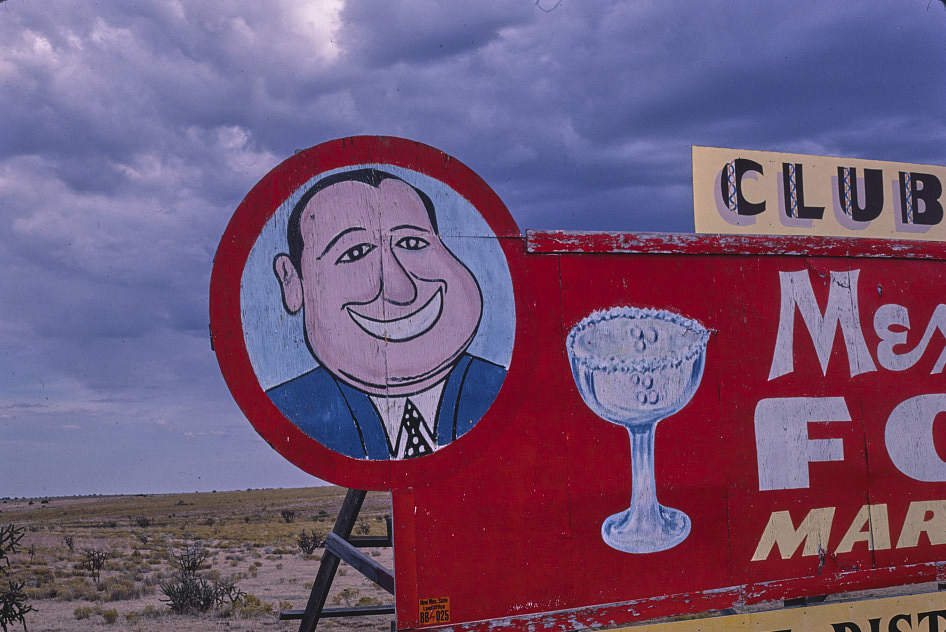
[[513, 538], [685, 243]]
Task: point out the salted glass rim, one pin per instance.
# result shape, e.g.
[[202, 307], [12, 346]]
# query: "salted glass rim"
[[613, 364]]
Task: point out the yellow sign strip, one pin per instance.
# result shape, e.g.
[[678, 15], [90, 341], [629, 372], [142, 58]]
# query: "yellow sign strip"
[[738, 191], [910, 613]]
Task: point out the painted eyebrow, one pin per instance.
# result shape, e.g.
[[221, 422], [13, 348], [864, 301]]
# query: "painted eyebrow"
[[339, 236], [411, 227]]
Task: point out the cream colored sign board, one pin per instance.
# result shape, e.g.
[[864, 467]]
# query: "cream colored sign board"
[[737, 191], [912, 613]]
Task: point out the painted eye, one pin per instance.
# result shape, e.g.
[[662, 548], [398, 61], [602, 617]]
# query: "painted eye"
[[355, 253], [412, 243]]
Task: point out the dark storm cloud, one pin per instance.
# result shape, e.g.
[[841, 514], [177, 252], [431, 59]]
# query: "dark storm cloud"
[[131, 131], [418, 32]]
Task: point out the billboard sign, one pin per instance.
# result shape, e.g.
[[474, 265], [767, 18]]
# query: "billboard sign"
[[737, 191], [658, 424]]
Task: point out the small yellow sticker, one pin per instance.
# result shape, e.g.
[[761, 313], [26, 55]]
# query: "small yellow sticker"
[[434, 611]]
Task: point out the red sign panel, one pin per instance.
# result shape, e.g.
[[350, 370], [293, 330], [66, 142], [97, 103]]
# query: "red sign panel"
[[808, 458], [599, 428]]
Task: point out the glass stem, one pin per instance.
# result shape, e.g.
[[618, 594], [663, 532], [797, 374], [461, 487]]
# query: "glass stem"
[[644, 506]]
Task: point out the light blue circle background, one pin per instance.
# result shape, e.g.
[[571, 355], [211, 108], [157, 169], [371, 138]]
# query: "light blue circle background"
[[275, 340]]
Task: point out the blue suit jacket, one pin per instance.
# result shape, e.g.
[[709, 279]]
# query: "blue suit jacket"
[[343, 419]]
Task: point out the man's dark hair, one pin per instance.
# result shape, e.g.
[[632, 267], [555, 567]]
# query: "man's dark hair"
[[371, 177]]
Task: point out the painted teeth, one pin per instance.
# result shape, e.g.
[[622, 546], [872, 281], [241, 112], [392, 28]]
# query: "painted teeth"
[[406, 327]]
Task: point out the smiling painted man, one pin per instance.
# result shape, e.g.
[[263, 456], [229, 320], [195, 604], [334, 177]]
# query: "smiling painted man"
[[388, 312]]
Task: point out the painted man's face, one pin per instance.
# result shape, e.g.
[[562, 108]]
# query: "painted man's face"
[[387, 307]]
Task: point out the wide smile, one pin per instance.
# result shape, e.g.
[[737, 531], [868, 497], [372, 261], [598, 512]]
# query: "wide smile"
[[405, 327]]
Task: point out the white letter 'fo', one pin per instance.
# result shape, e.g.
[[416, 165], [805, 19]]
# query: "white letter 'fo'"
[[841, 310]]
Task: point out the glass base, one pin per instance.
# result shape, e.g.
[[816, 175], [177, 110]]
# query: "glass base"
[[626, 532]]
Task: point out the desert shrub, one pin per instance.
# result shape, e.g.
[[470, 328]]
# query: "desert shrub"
[[363, 527], [118, 589], [82, 612], [13, 606], [348, 595], [69, 541], [150, 581], [368, 601], [192, 559], [133, 617], [288, 515], [94, 561], [250, 606], [190, 593], [311, 541], [40, 583], [13, 599], [76, 588], [115, 565], [10, 536], [46, 591], [143, 521], [37, 577], [110, 616], [150, 612]]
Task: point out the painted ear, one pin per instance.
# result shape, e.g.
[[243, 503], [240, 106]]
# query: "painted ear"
[[289, 282]]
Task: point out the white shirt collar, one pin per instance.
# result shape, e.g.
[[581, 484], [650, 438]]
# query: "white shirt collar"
[[391, 410]]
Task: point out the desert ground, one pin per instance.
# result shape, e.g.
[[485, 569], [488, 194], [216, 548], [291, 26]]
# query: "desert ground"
[[247, 539]]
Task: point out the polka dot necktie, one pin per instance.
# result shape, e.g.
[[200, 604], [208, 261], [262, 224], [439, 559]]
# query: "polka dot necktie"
[[410, 424]]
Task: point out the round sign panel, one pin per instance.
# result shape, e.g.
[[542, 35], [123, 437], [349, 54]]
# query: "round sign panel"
[[362, 308]]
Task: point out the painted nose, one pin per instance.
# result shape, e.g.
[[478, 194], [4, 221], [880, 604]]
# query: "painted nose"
[[397, 286]]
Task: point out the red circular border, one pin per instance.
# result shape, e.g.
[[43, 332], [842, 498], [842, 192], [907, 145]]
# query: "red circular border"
[[227, 329]]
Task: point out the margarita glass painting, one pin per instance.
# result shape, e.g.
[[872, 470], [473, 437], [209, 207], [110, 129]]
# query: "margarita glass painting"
[[634, 367]]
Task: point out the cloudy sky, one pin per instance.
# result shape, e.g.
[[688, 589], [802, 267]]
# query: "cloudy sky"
[[130, 131]]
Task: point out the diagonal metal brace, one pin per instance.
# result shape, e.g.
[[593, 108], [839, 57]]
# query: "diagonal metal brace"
[[360, 562]]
